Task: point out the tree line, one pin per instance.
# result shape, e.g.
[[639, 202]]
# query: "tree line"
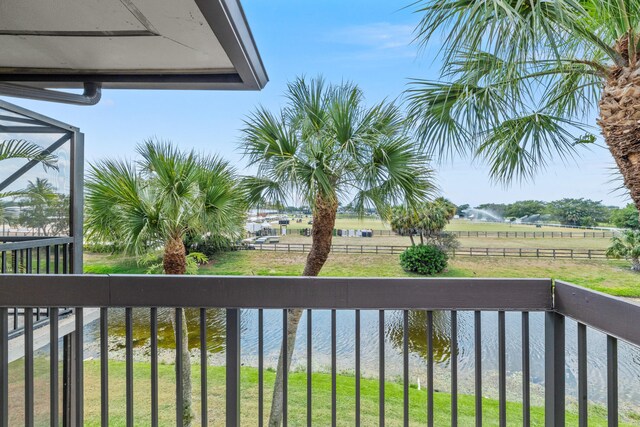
[[567, 211]]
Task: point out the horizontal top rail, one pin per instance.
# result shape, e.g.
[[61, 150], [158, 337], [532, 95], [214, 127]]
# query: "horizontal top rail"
[[26, 290], [35, 243], [611, 315]]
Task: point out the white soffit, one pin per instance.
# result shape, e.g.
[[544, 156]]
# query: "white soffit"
[[163, 44]]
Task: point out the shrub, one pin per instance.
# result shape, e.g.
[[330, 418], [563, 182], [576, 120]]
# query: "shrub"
[[424, 259]]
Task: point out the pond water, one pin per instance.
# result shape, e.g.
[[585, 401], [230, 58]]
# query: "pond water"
[[629, 356]]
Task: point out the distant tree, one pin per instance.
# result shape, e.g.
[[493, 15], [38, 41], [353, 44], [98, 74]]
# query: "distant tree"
[[524, 208], [448, 205], [626, 217], [582, 212], [428, 221], [626, 246], [461, 210], [497, 209], [36, 206], [404, 222]]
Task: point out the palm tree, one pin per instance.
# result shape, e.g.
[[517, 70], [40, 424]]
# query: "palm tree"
[[38, 198], [403, 221], [521, 78], [326, 147], [156, 202], [626, 246]]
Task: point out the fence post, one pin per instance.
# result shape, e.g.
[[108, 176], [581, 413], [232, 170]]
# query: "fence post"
[[554, 360], [589, 253], [233, 367], [554, 254]]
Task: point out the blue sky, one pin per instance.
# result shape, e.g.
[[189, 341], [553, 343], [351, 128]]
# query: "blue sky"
[[368, 42]]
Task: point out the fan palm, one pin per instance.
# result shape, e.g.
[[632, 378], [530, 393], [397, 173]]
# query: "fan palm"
[[323, 148], [626, 246], [27, 150], [521, 79], [156, 202]]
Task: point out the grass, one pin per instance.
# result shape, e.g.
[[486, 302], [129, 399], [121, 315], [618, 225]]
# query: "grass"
[[321, 407], [612, 277]]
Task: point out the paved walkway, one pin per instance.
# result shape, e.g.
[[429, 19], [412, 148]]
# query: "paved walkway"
[[66, 325]]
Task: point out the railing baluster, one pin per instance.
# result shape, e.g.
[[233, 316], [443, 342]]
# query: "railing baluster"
[[28, 367], [502, 368], [554, 381], [405, 366], [334, 396], [430, 405], [582, 375], [38, 260], [154, 366], [612, 381], [357, 349], [128, 313], [204, 411], [179, 361], [285, 367], [47, 263], [53, 367], [56, 259], [454, 368], [65, 258], [526, 372], [478, 366], [79, 367], [260, 367], [4, 367], [104, 366], [381, 368], [233, 367], [309, 367]]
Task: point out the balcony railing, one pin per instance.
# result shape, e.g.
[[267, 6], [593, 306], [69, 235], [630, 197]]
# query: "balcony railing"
[[557, 301]]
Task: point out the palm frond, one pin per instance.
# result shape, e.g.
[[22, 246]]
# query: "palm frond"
[[23, 149]]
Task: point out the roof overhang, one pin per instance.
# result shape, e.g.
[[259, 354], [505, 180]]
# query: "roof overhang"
[[128, 44]]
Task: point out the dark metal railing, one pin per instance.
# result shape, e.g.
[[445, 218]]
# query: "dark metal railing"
[[33, 256], [616, 318]]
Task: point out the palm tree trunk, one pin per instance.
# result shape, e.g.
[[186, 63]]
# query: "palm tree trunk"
[[413, 243], [620, 124], [174, 261], [324, 220]]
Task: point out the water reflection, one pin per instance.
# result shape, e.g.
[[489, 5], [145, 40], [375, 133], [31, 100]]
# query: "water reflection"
[[418, 334], [216, 323]]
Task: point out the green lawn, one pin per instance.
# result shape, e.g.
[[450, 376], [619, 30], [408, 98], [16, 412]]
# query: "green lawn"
[[613, 277], [297, 399], [321, 408]]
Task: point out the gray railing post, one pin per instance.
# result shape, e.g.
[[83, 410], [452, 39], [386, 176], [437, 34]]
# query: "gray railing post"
[[554, 359], [233, 367]]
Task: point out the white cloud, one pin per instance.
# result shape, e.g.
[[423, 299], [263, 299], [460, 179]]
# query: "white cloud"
[[381, 40]]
